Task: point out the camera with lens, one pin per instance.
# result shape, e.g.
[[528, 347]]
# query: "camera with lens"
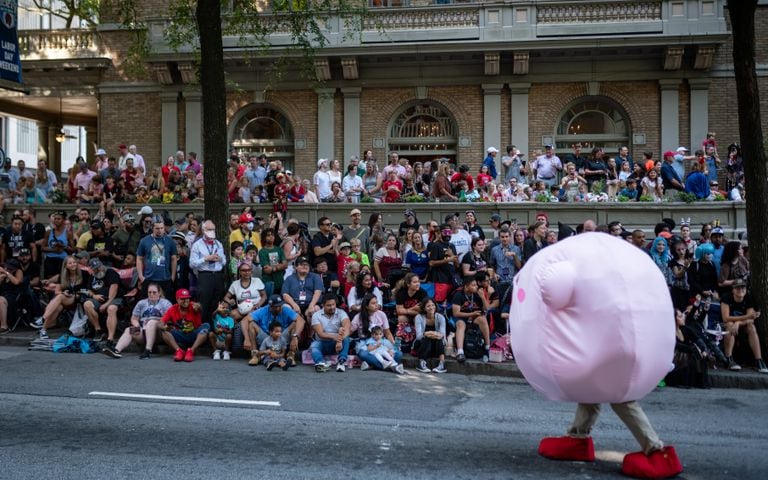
[[83, 295]]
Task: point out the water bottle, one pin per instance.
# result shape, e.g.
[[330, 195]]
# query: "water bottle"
[[719, 334], [398, 341]]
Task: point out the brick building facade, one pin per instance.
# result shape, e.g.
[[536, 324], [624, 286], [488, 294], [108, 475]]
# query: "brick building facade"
[[651, 75]]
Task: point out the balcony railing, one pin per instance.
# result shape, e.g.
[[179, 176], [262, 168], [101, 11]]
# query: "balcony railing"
[[58, 44]]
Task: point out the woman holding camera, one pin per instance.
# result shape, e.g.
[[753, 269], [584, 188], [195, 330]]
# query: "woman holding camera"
[[71, 280]]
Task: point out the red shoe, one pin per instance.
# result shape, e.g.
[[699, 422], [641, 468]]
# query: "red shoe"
[[659, 464], [190, 355], [568, 448], [179, 355]]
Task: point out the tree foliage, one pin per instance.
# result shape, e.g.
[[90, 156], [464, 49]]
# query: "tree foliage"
[[69, 10]]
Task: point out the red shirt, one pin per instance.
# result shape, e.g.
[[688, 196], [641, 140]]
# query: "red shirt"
[[393, 196], [186, 322], [166, 171], [456, 178], [482, 179], [281, 190]]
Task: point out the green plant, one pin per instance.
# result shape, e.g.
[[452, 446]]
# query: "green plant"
[[623, 198], [367, 199], [58, 196], [414, 198], [686, 197], [542, 197], [719, 197], [646, 198], [598, 186]]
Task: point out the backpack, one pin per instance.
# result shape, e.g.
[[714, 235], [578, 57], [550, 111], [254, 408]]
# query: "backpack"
[[474, 345], [406, 333], [69, 343]]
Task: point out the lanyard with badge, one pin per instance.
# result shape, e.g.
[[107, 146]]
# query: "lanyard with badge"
[[161, 250], [302, 292]]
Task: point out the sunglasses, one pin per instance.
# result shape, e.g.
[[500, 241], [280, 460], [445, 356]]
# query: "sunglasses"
[[326, 224]]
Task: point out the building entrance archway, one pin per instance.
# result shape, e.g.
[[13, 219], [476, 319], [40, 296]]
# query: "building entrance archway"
[[593, 121], [257, 129]]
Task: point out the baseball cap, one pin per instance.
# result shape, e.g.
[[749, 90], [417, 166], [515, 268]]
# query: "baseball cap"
[[183, 293], [548, 146], [101, 152], [301, 260], [409, 213], [344, 245], [145, 210], [682, 149], [129, 218], [669, 153], [495, 217], [97, 224], [492, 150], [738, 283], [122, 146], [275, 300], [246, 218], [82, 254], [179, 236], [718, 231], [24, 251], [355, 211], [95, 264], [320, 161]]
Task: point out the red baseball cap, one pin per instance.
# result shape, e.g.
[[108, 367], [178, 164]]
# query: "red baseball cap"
[[183, 293], [669, 153], [122, 146], [246, 217]]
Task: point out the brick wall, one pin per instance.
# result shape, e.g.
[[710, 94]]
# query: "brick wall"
[[131, 119]]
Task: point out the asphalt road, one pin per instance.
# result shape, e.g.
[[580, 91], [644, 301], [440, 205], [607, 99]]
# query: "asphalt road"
[[362, 425]]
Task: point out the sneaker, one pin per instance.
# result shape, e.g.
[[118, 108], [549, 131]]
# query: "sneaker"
[[485, 358], [189, 356], [270, 366], [733, 366], [440, 368], [217, 354], [37, 324], [423, 368], [341, 368], [43, 334], [145, 355], [399, 369], [461, 358], [99, 336], [760, 367], [364, 366], [254, 359], [110, 351], [179, 355], [226, 356], [321, 367], [286, 366]]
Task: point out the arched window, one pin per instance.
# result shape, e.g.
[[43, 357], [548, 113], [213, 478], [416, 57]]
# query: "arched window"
[[423, 131], [594, 122], [259, 129]]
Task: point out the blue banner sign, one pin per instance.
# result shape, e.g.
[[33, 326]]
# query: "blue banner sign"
[[10, 61]]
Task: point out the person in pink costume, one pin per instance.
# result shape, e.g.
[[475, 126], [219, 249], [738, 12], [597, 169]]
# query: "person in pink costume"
[[573, 346]]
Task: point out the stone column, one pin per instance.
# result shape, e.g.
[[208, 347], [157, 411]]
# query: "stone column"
[[91, 139], [519, 107], [43, 148], [492, 120], [193, 123], [325, 122], [699, 111], [670, 114], [169, 124], [54, 150], [351, 123]]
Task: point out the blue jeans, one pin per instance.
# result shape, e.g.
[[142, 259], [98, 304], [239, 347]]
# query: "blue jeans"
[[186, 339], [365, 356], [328, 347]]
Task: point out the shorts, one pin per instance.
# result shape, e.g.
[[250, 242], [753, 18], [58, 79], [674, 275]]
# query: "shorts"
[[441, 291], [96, 304], [186, 339]]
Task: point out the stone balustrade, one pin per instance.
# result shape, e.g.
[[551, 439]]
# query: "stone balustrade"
[[58, 44], [599, 12]]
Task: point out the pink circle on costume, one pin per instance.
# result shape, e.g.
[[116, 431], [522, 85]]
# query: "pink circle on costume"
[[521, 295]]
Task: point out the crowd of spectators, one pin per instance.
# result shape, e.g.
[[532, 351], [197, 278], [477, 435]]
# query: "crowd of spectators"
[[578, 176], [370, 290]]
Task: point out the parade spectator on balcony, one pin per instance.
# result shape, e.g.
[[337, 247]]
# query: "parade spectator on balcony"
[[421, 186], [682, 157], [322, 180], [84, 177], [194, 164], [571, 182], [596, 169], [734, 166], [513, 161], [462, 175], [490, 162], [696, 181], [352, 185], [372, 182], [129, 175], [111, 171], [394, 164], [441, 189], [546, 166], [122, 161], [168, 168], [652, 186]]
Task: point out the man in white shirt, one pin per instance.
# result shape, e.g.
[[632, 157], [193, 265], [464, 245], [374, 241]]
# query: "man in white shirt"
[[546, 166], [322, 180], [124, 156], [138, 160], [460, 238], [394, 164], [352, 185]]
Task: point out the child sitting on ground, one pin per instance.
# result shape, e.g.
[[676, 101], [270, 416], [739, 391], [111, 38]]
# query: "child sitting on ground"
[[221, 336], [381, 348], [273, 348]]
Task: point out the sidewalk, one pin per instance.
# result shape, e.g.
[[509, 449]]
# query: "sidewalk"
[[746, 379]]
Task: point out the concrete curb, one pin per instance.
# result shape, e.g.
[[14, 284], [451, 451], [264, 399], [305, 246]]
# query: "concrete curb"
[[745, 379]]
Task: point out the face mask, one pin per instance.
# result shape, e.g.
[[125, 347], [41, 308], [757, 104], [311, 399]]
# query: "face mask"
[[210, 234], [249, 226]]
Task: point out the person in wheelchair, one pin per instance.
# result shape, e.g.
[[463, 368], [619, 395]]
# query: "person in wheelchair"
[[11, 278], [99, 298], [71, 280]]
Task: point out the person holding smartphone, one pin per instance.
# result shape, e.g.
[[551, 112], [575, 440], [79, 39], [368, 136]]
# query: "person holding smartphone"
[[738, 311]]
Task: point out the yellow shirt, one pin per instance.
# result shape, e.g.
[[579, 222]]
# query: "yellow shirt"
[[83, 239], [237, 236]]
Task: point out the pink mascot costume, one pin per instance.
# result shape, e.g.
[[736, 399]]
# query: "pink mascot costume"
[[592, 322]]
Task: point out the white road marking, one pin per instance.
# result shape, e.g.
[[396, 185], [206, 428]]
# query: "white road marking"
[[185, 399]]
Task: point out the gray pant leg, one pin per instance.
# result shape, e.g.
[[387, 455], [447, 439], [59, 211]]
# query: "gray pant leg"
[[635, 419], [584, 420]]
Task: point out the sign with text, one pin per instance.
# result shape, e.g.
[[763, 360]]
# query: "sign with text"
[[10, 61]]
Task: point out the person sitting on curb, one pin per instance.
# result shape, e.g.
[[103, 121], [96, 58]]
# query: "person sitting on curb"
[[468, 310], [273, 349], [182, 325], [258, 324], [331, 334], [738, 310], [146, 317]]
